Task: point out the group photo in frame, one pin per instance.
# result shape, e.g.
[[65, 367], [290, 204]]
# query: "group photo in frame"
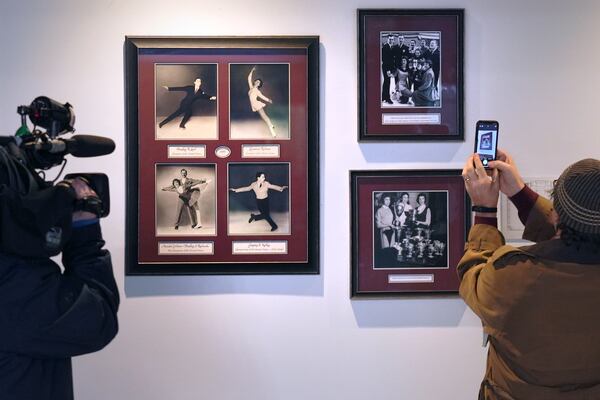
[[410, 64], [222, 155], [408, 231], [410, 74]]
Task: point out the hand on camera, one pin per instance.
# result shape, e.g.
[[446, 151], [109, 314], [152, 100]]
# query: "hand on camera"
[[509, 178], [483, 189], [82, 191]]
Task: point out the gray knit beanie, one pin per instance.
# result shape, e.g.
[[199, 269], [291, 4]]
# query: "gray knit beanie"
[[577, 196]]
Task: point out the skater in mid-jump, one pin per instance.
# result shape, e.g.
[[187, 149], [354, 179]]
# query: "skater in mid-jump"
[[261, 190], [254, 94]]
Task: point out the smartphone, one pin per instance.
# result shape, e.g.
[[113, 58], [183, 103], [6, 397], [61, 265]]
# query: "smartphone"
[[486, 141]]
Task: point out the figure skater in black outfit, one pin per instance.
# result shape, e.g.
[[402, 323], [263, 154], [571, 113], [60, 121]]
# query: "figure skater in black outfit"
[[192, 93]]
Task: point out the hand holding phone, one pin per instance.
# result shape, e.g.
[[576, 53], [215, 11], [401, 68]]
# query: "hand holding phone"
[[486, 141]]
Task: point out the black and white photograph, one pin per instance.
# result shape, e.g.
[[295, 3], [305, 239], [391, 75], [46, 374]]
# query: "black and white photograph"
[[185, 200], [259, 199], [259, 101], [410, 69], [186, 101], [485, 144], [410, 229]]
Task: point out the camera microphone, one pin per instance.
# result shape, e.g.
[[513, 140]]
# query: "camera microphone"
[[78, 146]]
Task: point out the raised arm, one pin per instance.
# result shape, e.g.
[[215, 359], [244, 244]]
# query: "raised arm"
[[169, 189], [535, 211], [250, 77]]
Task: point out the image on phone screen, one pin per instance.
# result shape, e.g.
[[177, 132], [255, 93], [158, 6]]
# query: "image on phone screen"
[[485, 145]]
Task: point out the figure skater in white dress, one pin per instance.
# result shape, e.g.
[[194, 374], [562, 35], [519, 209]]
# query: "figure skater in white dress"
[[254, 94]]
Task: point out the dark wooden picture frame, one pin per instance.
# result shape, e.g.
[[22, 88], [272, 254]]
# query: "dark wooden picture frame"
[[418, 99], [408, 229], [192, 188]]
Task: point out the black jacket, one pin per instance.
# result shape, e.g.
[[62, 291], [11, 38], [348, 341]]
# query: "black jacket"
[[48, 316], [190, 95], [387, 59]]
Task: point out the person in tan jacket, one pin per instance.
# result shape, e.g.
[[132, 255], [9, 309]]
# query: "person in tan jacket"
[[539, 304]]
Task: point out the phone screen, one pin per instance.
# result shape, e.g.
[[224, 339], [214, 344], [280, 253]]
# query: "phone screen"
[[486, 140]]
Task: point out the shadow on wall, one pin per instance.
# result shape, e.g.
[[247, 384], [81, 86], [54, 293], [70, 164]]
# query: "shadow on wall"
[[446, 311], [412, 152], [294, 285]]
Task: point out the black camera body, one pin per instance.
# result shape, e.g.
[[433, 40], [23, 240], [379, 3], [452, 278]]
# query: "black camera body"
[[36, 214]]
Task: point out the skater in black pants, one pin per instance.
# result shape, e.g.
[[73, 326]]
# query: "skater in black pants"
[[192, 94]]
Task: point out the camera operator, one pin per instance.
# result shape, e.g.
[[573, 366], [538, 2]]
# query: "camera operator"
[[48, 316], [539, 304]]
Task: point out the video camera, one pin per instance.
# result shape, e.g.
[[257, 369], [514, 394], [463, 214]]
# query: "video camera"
[[34, 211]]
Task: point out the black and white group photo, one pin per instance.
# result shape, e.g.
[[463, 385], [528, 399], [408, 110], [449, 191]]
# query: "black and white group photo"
[[259, 101], [259, 198], [410, 69], [410, 229], [186, 101], [185, 199]]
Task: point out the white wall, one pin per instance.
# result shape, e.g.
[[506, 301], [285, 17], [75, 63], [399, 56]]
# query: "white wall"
[[530, 64]]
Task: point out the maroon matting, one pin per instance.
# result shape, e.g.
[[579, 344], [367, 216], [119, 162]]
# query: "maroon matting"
[[293, 151]]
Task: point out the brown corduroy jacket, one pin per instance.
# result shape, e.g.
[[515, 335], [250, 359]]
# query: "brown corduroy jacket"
[[540, 306]]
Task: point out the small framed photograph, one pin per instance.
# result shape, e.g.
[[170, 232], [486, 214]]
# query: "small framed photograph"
[[222, 155], [410, 74], [408, 231]]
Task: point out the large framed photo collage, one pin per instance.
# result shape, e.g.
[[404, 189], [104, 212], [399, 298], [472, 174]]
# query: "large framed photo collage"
[[222, 155]]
